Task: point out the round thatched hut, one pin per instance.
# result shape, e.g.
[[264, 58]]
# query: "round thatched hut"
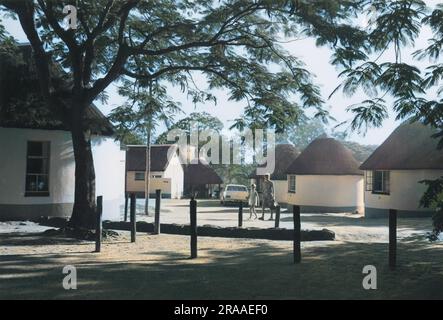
[[325, 177], [394, 171]]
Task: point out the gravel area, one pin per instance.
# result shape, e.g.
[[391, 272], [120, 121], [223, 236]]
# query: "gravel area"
[[347, 226]]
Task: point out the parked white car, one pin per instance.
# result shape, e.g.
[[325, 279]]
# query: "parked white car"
[[234, 193]]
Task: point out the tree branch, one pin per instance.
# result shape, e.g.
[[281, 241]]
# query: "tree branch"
[[25, 11], [101, 22], [122, 54], [174, 69], [67, 37], [189, 45]]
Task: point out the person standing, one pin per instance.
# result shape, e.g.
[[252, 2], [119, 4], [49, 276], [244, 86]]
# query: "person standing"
[[268, 196], [253, 201]]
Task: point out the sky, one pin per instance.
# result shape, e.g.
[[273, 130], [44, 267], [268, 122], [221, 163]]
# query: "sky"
[[317, 60]]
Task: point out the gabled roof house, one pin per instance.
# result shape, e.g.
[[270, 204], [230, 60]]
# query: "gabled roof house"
[[166, 171]]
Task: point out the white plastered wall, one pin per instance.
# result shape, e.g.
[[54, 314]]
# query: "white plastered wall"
[[174, 171], [281, 191], [328, 191], [13, 148], [109, 163], [405, 190]]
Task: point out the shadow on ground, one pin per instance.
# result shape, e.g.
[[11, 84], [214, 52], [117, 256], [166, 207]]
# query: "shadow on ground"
[[30, 239], [261, 270], [353, 220]]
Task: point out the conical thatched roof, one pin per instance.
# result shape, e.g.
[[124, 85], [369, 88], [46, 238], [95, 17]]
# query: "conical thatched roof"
[[325, 156], [285, 154], [409, 147]]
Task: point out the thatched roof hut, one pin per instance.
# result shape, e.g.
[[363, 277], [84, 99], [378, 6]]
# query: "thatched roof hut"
[[285, 154], [325, 156], [396, 168], [409, 147], [325, 178]]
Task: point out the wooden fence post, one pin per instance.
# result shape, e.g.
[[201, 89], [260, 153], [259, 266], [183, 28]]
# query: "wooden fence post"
[[193, 212], [132, 217], [277, 216], [158, 194], [392, 239], [126, 206], [98, 225], [297, 234], [240, 215]]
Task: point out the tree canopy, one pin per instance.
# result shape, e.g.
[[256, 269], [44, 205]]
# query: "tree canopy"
[[232, 43], [397, 25], [147, 107], [197, 122], [237, 46]]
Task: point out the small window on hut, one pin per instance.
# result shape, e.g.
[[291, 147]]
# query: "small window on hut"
[[291, 184], [37, 169], [380, 182]]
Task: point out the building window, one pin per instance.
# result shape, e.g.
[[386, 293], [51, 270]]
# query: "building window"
[[292, 184], [156, 176], [139, 176], [368, 180], [380, 182], [37, 169]]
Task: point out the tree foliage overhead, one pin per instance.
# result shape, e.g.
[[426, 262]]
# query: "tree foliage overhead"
[[361, 152], [306, 130], [236, 45], [21, 104], [302, 132], [233, 43], [193, 123], [147, 107], [396, 25]]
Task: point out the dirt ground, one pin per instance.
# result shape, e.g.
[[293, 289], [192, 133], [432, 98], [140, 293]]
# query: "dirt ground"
[[158, 267], [347, 226]]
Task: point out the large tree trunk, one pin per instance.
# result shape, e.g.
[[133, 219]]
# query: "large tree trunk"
[[83, 215]]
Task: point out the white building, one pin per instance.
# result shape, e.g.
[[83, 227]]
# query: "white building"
[[37, 166], [325, 178], [394, 171], [166, 171], [37, 173]]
